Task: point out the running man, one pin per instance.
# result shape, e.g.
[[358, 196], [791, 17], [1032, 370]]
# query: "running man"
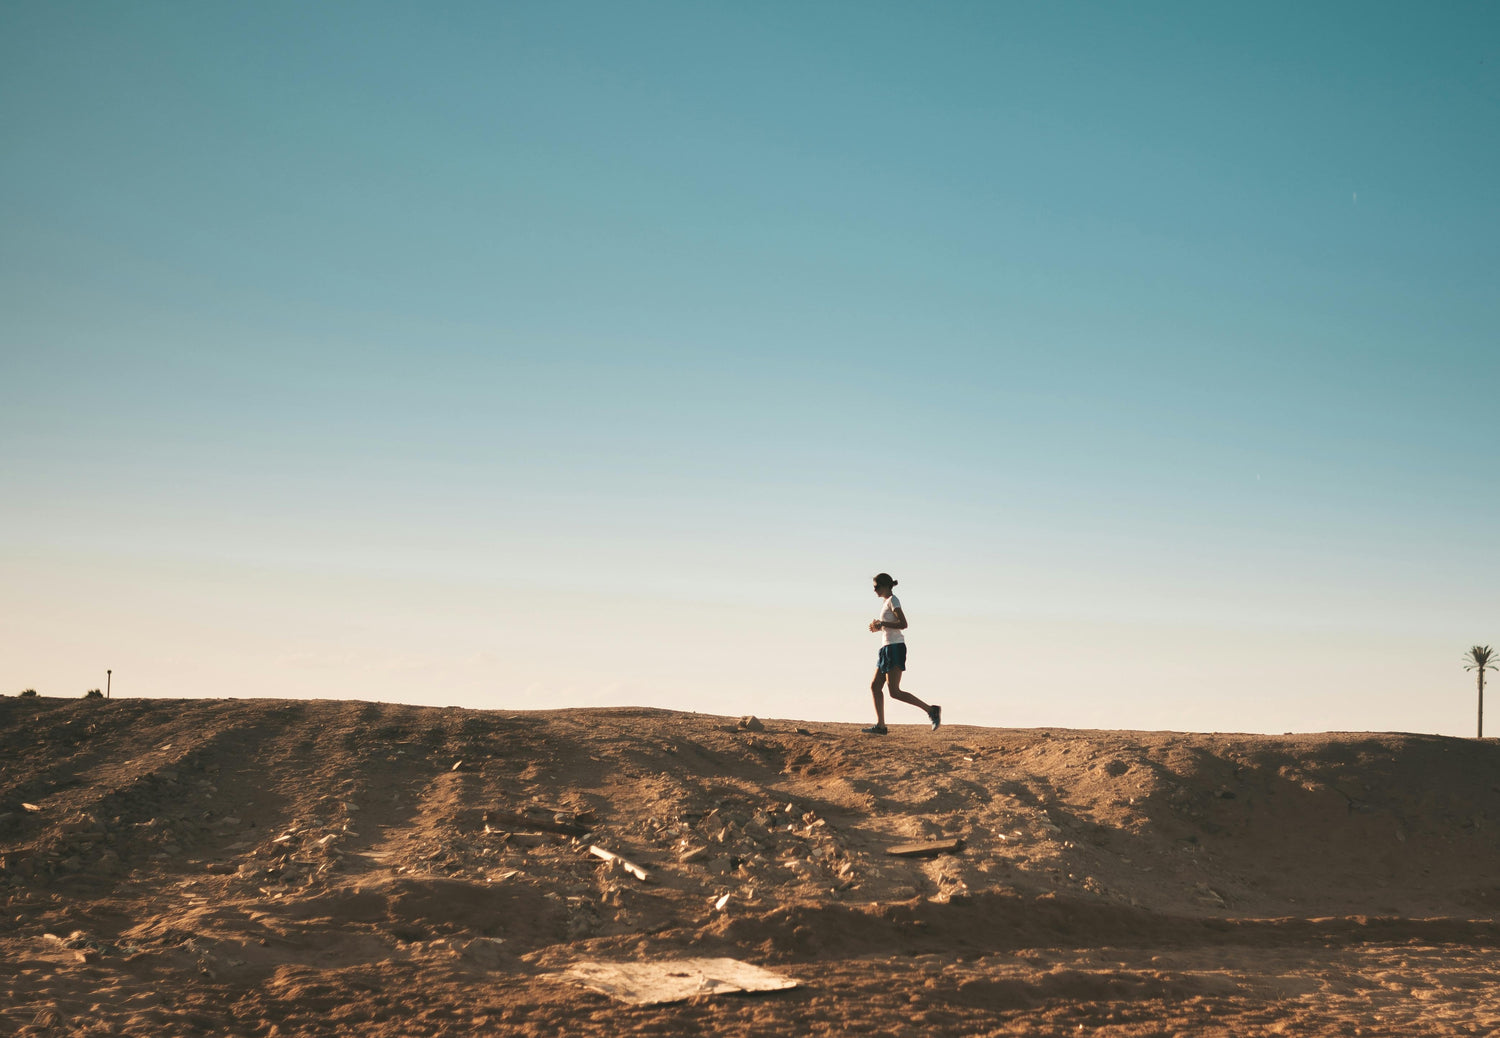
[[892, 662]]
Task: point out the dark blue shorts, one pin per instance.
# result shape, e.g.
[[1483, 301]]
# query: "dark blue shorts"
[[892, 657]]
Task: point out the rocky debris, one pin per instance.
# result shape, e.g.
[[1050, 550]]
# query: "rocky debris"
[[301, 856], [83, 946], [771, 842], [751, 723], [538, 819], [76, 942]]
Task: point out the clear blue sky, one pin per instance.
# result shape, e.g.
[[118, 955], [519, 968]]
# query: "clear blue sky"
[[551, 354]]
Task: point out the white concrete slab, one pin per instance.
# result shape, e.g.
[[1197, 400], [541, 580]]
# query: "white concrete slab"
[[674, 980]]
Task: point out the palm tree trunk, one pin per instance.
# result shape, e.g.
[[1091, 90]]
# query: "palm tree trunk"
[[1481, 704]]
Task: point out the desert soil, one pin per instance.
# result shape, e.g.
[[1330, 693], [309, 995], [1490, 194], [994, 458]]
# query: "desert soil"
[[263, 867]]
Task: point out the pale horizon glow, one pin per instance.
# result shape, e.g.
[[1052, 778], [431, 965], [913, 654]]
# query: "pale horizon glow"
[[525, 357]]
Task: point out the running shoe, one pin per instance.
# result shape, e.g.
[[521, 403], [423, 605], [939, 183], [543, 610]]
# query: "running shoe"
[[936, 714], [874, 729]]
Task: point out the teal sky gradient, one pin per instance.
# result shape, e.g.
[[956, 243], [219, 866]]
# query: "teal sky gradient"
[[1153, 348]]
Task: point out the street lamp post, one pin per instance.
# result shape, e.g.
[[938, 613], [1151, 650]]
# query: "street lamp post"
[[107, 677]]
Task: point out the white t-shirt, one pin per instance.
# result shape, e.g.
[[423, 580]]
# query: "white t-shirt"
[[888, 609]]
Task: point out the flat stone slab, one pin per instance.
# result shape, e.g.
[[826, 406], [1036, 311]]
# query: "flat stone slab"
[[674, 980], [927, 849]]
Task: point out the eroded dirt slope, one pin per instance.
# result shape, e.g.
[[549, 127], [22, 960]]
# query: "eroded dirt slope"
[[271, 867]]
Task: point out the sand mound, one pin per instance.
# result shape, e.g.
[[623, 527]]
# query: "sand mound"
[[267, 867]]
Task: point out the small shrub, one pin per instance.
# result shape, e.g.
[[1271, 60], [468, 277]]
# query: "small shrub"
[[93, 693], [29, 692]]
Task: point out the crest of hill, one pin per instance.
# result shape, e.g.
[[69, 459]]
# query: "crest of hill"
[[100, 795]]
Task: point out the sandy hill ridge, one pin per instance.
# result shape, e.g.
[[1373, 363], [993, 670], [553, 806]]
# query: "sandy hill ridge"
[[288, 867]]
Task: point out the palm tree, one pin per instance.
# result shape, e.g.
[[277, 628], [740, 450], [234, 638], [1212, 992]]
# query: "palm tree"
[[1480, 659]]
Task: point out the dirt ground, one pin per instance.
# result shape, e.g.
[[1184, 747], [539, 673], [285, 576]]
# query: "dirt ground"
[[264, 867]]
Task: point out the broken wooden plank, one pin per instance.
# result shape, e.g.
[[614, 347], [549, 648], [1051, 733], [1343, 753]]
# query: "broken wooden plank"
[[926, 849], [629, 866], [674, 980]]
